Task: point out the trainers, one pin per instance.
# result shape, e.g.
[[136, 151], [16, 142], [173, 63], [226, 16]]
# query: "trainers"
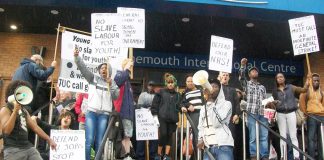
[[166, 157], [128, 158]]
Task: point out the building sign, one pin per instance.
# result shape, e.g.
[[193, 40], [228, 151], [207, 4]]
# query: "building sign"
[[198, 62]]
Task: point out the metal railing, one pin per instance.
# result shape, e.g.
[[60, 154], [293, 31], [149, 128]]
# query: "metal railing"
[[258, 122]]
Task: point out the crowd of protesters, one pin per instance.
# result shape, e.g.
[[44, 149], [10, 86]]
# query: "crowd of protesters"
[[215, 113]]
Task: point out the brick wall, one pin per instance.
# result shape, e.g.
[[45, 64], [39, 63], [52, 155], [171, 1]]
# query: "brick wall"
[[14, 47]]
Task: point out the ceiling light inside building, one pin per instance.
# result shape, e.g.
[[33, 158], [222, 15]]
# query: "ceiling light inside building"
[[185, 19], [2, 10], [234, 49], [250, 25], [177, 44], [55, 12], [286, 52], [13, 27]]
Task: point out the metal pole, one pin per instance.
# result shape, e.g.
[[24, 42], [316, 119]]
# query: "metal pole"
[[303, 137], [39, 115], [187, 140], [285, 156], [181, 136], [322, 139], [244, 137], [176, 144], [257, 139]]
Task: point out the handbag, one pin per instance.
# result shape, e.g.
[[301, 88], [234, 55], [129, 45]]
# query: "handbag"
[[184, 146], [300, 117]]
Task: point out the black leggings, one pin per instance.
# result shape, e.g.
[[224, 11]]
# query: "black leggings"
[[166, 130]]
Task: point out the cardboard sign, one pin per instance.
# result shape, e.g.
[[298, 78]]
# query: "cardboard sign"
[[303, 35], [146, 128], [132, 27], [221, 54], [70, 145]]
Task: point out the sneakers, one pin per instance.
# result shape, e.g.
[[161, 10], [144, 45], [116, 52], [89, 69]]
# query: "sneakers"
[[128, 158]]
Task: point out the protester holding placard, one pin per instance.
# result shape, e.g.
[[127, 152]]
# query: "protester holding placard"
[[255, 93], [102, 90], [165, 105], [286, 110], [312, 103], [124, 104], [16, 121], [145, 101]]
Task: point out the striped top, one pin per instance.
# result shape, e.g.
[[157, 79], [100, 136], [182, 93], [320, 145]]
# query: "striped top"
[[193, 98]]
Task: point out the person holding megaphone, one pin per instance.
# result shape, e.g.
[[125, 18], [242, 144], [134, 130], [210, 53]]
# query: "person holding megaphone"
[[16, 121]]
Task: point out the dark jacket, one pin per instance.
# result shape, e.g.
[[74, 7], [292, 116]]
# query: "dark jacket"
[[165, 104], [30, 72], [127, 110], [231, 95], [287, 101]]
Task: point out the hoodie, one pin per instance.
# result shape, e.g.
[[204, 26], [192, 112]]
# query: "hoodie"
[[219, 115], [100, 96], [312, 102]]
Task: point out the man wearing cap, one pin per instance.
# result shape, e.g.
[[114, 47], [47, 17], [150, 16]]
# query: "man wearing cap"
[[255, 93], [145, 101]]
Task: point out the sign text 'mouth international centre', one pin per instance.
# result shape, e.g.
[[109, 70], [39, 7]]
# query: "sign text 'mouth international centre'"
[[197, 62]]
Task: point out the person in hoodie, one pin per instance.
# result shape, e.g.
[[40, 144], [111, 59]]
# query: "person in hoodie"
[[213, 131], [165, 106], [286, 110], [125, 105], [312, 103], [99, 102]]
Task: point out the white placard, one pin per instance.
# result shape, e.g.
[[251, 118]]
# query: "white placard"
[[70, 145], [133, 27], [303, 35], [106, 29], [221, 54], [146, 128], [70, 78]]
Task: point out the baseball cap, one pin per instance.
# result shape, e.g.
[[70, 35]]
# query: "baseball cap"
[[151, 83], [253, 68]]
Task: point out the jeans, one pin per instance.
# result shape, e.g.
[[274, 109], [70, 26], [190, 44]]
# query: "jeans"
[[314, 128], [220, 153], [263, 134], [140, 149], [287, 122], [95, 127]]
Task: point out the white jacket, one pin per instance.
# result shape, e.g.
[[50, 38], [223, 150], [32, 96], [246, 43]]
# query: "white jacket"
[[219, 115]]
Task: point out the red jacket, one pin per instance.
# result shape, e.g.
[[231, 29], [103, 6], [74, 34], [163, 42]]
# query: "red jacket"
[[78, 105]]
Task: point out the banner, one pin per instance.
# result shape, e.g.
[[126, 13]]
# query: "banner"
[[146, 129], [221, 54], [70, 78], [132, 27], [70, 145], [303, 35]]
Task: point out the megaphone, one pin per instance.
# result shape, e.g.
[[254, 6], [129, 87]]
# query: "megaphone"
[[23, 95], [201, 78]]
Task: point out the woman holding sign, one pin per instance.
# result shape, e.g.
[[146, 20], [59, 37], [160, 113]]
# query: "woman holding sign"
[[165, 106], [99, 102]]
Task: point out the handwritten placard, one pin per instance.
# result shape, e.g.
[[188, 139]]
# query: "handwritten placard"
[[303, 35], [70, 145], [221, 54], [146, 128], [133, 27]]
